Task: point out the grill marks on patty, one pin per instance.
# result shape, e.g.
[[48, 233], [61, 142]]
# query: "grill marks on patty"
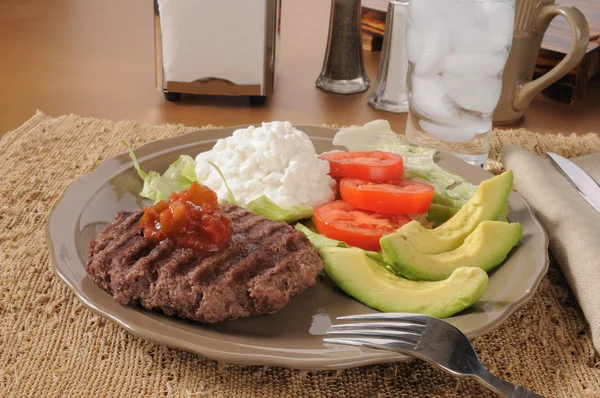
[[265, 264]]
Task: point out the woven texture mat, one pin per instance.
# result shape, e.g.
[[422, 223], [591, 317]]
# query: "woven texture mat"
[[51, 346]]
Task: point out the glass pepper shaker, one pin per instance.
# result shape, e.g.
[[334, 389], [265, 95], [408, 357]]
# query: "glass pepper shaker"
[[343, 67], [390, 92]]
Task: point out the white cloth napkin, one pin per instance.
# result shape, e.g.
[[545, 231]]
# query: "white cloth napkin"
[[573, 226], [213, 39]]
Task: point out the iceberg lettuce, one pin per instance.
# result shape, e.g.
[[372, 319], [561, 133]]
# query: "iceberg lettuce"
[[230, 196], [179, 176], [266, 207], [451, 190], [182, 173], [321, 241]]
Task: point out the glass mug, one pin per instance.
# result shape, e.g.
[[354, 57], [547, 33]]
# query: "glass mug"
[[457, 51]]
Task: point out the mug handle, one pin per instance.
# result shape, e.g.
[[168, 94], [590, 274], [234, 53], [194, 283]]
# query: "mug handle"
[[580, 38]]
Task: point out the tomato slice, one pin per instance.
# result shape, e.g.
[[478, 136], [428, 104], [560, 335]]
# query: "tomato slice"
[[340, 221], [394, 197], [373, 166]]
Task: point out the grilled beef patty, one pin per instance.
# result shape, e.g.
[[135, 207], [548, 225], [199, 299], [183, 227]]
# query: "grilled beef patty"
[[265, 264]]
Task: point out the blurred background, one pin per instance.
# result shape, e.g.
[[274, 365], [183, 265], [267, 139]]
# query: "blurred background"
[[96, 58]]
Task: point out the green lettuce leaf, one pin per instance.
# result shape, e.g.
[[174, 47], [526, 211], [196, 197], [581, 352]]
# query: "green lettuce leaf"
[[456, 197], [369, 137], [319, 241], [182, 171], [451, 190], [179, 176], [433, 175], [230, 196], [378, 135], [378, 258], [266, 207], [439, 214]]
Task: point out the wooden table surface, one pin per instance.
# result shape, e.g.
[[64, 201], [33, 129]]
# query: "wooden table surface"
[[96, 58]]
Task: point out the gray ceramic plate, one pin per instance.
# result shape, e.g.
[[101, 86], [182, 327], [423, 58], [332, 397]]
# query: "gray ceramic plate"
[[292, 336]]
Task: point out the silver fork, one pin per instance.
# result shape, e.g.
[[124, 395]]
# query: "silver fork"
[[426, 338]]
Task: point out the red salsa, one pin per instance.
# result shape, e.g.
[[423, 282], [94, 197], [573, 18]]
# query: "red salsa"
[[190, 218]]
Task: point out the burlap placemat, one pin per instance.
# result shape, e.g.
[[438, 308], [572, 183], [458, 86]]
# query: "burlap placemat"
[[51, 346]]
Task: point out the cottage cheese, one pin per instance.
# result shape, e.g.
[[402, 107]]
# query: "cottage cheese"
[[275, 159]]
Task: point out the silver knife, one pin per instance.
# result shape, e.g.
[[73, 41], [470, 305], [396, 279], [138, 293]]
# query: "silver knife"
[[587, 187]]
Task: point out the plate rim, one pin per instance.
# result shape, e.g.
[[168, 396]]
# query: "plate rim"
[[364, 358]]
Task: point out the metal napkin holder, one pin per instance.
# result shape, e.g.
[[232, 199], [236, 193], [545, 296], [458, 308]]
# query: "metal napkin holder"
[[218, 86]]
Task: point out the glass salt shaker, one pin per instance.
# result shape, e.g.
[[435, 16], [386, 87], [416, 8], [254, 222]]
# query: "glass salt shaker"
[[343, 67], [390, 92]]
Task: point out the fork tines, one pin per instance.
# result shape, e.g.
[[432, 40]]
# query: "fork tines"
[[384, 316], [394, 330]]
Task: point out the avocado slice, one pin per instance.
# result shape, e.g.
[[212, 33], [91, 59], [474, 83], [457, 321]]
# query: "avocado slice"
[[373, 285], [488, 203], [439, 214], [485, 248], [503, 216]]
